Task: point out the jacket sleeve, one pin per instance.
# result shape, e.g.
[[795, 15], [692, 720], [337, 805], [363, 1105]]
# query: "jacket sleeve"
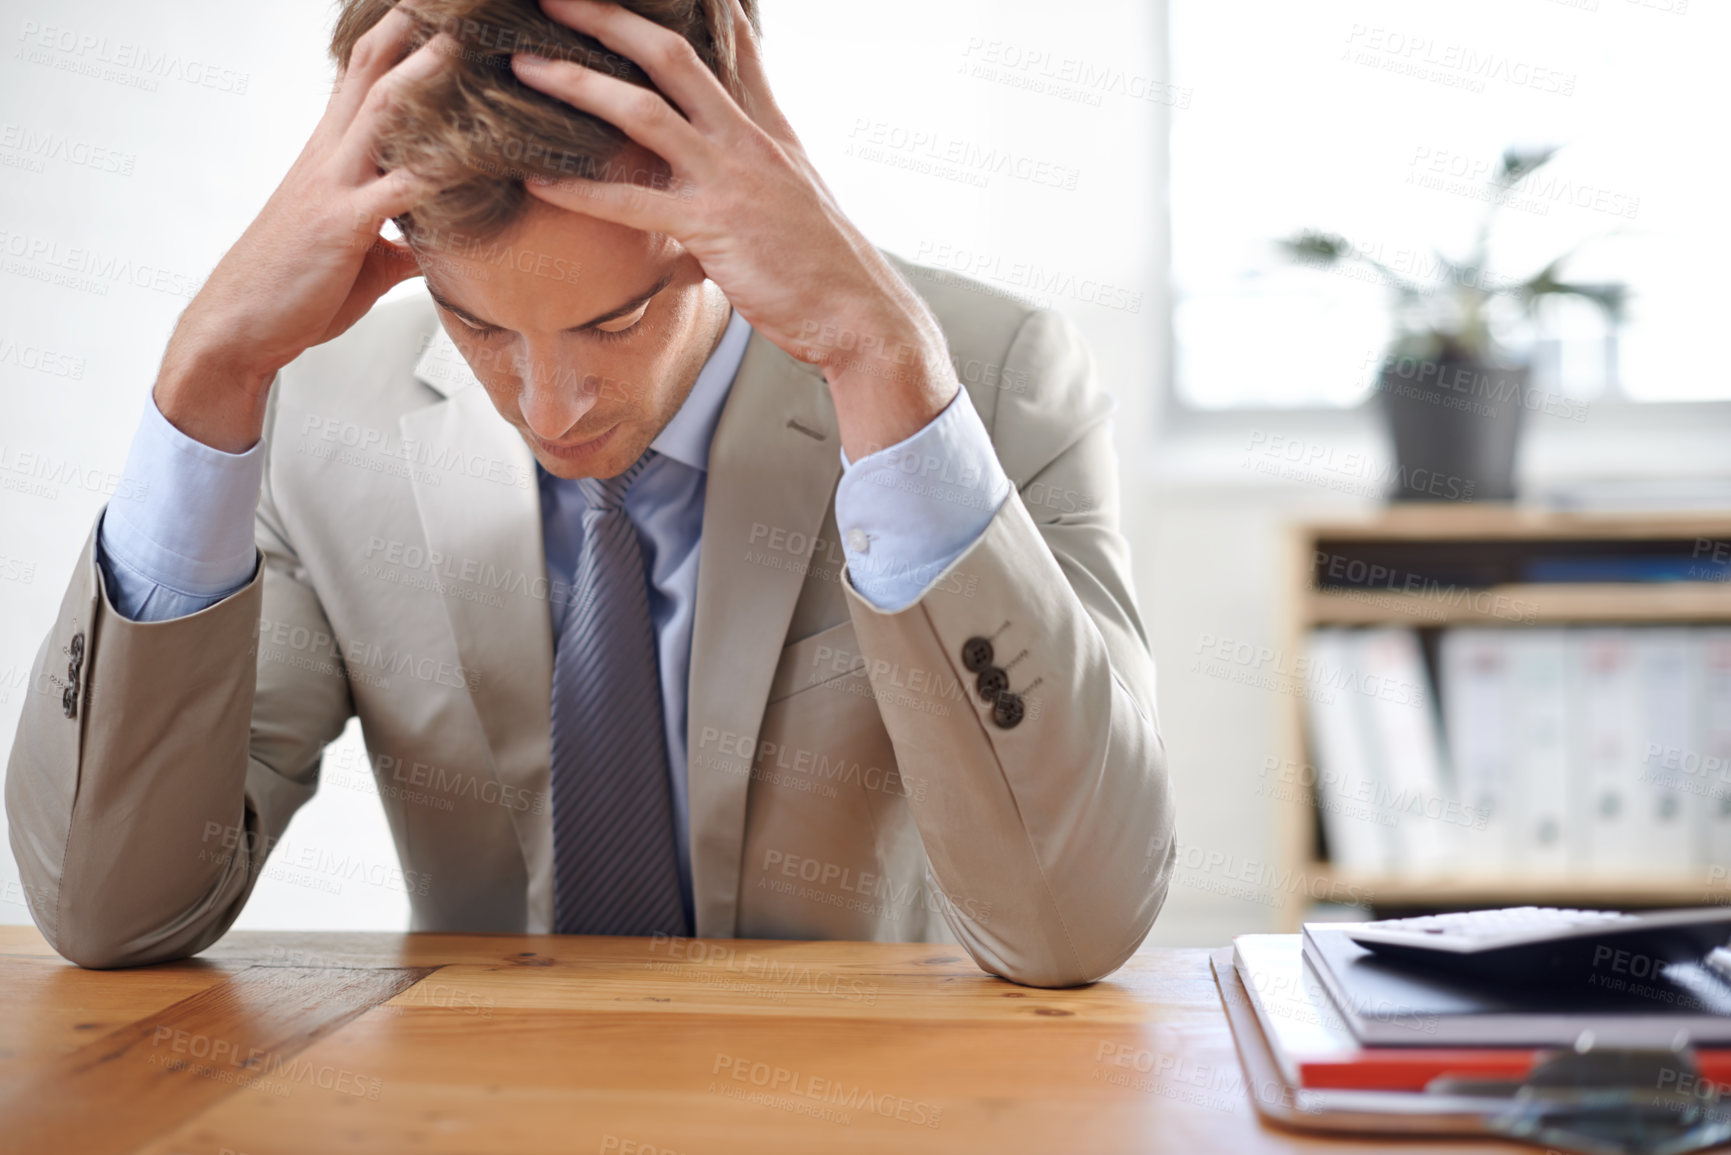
[[1050, 808], [144, 793]]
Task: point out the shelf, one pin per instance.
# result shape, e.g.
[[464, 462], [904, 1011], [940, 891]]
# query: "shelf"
[[1528, 604], [1560, 891], [1467, 565], [1467, 522]]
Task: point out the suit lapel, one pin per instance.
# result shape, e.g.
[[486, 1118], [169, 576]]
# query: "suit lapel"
[[480, 509], [773, 468]]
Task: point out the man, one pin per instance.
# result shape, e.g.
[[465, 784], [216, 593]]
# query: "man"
[[679, 584]]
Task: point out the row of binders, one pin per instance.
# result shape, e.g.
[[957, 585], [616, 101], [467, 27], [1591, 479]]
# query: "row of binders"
[[1577, 751]]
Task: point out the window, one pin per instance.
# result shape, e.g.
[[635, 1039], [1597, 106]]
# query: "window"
[[1385, 124]]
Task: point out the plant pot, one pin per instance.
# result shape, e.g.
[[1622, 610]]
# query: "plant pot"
[[1456, 426]]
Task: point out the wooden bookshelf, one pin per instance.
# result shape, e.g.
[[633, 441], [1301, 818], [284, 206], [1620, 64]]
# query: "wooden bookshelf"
[[1464, 561], [1535, 603], [1479, 890]]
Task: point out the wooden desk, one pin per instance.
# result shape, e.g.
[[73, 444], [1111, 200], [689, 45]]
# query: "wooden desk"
[[515, 1045]]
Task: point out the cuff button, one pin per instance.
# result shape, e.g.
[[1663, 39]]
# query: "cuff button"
[[1008, 711], [992, 682], [976, 654]]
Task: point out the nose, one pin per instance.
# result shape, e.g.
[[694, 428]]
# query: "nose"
[[554, 394]]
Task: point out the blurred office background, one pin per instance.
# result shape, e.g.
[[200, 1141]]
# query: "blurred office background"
[[1131, 163]]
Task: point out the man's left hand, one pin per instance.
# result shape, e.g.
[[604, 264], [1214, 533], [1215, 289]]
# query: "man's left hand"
[[745, 200]]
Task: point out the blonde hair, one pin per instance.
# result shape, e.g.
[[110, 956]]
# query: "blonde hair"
[[478, 131]]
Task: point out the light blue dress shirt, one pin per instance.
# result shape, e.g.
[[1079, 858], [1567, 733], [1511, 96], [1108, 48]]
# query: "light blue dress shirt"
[[905, 513]]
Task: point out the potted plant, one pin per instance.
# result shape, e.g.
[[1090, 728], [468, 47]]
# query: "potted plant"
[[1454, 397]]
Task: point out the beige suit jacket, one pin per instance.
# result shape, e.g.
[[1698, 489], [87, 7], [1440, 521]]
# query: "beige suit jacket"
[[845, 779]]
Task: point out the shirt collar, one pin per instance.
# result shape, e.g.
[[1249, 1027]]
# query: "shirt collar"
[[686, 438]]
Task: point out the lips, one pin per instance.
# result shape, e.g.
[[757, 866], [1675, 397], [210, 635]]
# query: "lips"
[[572, 450]]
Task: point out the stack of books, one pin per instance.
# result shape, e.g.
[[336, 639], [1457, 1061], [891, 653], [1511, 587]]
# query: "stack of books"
[[1332, 1016], [1626, 1056]]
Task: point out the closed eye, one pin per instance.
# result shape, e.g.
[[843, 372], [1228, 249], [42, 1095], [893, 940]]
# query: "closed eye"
[[624, 325], [629, 323], [482, 331]]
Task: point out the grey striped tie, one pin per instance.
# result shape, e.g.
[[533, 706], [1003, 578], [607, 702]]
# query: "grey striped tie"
[[615, 865]]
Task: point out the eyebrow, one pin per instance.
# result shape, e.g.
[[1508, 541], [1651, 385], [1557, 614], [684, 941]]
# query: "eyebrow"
[[629, 306]]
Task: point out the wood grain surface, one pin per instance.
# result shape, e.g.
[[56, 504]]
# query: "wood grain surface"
[[517, 1044]]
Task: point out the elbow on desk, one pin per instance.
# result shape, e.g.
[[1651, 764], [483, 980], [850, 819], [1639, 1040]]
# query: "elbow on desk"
[[1061, 965], [1058, 957], [1055, 976], [93, 953], [94, 949], [100, 943], [94, 928], [1104, 888], [103, 926], [1103, 927]]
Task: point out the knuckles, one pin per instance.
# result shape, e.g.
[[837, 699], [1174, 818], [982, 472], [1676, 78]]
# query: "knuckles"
[[381, 95], [369, 49], [648, 108], [674, 53]]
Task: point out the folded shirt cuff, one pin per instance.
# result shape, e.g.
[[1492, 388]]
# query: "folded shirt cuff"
[[906, 513], [182, 516]]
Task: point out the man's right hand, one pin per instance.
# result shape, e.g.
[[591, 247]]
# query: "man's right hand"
[[313, 261]]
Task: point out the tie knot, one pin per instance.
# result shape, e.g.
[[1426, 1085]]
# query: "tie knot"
[[608, 493]]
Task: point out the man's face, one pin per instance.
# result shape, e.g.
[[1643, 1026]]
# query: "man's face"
[[587, 335]]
